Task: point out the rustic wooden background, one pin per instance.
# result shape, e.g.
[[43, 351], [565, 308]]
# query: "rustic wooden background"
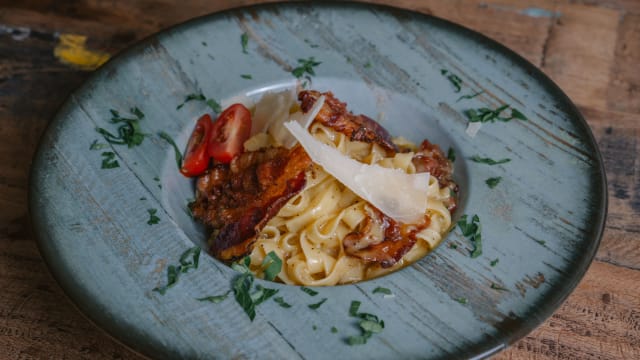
[[591, 48]]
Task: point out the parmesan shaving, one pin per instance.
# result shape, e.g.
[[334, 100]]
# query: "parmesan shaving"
[[473, 128], [397, 194]]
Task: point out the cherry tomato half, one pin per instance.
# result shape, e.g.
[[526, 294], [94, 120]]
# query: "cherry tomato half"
[[196, 157], [229, 133]]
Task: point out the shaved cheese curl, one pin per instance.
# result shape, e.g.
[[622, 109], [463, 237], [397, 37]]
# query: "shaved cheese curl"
[[397, 194]]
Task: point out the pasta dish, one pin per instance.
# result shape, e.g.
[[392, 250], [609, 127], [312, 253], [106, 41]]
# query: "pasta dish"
[[331, 193]]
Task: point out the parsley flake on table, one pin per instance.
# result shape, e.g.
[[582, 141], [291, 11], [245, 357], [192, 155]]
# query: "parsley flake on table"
[[498, 287], [188, 260], [461, 300], [470, 96], [243, 283], [494, 262], [382, 290], [246, 76], [216, 298], [178, 155], [493, 182], [472, 231], [309, 291], [317, 305], [95, 145], [488, 161], [451, 155], [280, 301], [369, 324], [212, 103], [484, 114], [453, 79], [244, 42], [109, 160], [305, 66], [129, 132], [153, 219]]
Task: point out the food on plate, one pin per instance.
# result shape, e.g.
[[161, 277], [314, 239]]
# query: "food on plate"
[[331, 193]]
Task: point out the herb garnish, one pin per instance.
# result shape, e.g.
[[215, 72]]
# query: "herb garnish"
[[488, 161], [493, 182], [451, 155], [494, 262], [272, 265], [309, 291], [541, 242], [280, 301], [243, 283], [109, 160], [382, 290], [215, 299], [317, 305], [153, 219], [470, 96], [453, 79], [191, 97], [186, 264], [163, 135], [200, 97], [484, 114], [367, 65], [244, 41], [498, 287], [334, 329], [369, 325], [129, 131], [246, 76], [472, 231], [461, 300], [306, 66], [311, 45]]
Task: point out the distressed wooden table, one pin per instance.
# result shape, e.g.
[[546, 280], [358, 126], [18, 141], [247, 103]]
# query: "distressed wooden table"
[[591, 48]]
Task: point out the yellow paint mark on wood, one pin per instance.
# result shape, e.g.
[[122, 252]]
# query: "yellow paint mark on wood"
[[71, 50]]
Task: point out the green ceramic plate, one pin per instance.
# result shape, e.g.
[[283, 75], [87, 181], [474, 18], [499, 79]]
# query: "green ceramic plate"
[[540, 225]]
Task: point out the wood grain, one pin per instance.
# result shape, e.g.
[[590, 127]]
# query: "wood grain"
[[590, 48]]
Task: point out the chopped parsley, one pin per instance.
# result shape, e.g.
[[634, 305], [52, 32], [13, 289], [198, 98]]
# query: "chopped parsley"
[[191, 97], [453, 79], [488, 161], [493, 182], [272, 265], [461, 300], [153, 219], [215, 299], [369, 324], [382, 290], [309, 291], [163, 135], [280, 301], [498, 287], [541, 242], [472, 231], [367, 65], [242, 287], [484, 114], [317, 305], [451, 155], [129, 132], [213, 104], [314, 327], [334, 329], [244, 41], [494, 262], [311, 45], [246, 76], [188, 260], [109, 160], [453, 246], [305, 66], [470, 96]]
